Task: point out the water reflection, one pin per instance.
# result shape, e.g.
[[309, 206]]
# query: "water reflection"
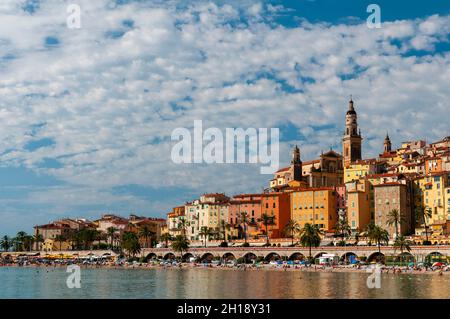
[[210, 283]]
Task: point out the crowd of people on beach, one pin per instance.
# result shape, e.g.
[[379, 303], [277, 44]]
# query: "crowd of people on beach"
[[419, 268]]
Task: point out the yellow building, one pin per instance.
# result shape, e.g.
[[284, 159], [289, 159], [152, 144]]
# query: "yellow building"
[[314, 206], [359, 212], [54, 245], [435, 193], [359, 169]]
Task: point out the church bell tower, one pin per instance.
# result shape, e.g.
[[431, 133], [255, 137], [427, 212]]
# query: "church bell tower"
[[351, 142], [296, 164]]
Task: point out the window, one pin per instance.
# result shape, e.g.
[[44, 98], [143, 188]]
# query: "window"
[[353, 224], [273, 205]]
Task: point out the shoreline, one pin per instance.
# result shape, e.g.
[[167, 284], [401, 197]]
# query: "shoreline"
[[251, 268]]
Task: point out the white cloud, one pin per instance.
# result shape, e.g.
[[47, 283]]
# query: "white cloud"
[[107, 100]]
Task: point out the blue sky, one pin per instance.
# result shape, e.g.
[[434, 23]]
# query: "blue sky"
[[86, 115]]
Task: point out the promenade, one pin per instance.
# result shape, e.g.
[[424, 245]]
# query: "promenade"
[[370, 253]]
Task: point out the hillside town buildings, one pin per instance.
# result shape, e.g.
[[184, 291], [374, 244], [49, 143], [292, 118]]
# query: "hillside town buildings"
[[411, 178]]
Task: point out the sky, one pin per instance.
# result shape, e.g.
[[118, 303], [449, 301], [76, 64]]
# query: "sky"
[[86, 114]]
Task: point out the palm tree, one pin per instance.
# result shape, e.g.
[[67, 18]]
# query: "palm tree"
[[379, 235], [342, 228], [6, 243], [291, 229], [146, 233], [267, 220], [424, 214], [88, 236], [182, 225], [310, 236], [224, 226], [20, 240], [166, 237], [394, 218], [130, 243], [403, 244], [110, 233], [28, 242], [205, 232], [244, 221], [38, 238], [180, 244], [60, 238]]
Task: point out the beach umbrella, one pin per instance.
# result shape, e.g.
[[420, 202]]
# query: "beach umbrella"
[[438, 264]]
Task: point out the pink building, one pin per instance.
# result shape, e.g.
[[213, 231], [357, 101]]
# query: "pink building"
[[250, 204]]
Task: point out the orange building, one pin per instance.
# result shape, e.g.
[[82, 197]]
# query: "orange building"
[[244, 203], [276, 204], [433, 165], [315, 206]]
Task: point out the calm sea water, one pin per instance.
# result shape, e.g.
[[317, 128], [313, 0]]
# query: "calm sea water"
[[206, 283]]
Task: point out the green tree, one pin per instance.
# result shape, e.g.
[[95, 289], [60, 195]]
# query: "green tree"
[[28, 242], [267, 220], [180, 244], [342, 228], [182, 225], [6, 243], [19, 240], [424, 214], [205, 232], [224, 226], [130, 243], [244, 221], [60, 238], [291, 229], [146, 233], [38, 239], [310, 237], [394, 218], [166, 237], [403, 244], [379, 235], [87, 236], [111, 233]]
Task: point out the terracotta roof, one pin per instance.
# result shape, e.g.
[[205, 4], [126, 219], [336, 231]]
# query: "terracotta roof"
[[238, 202], [309, 189], [283, 169], [388, 155], [311, 162], [246, 195], [382, 175]]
